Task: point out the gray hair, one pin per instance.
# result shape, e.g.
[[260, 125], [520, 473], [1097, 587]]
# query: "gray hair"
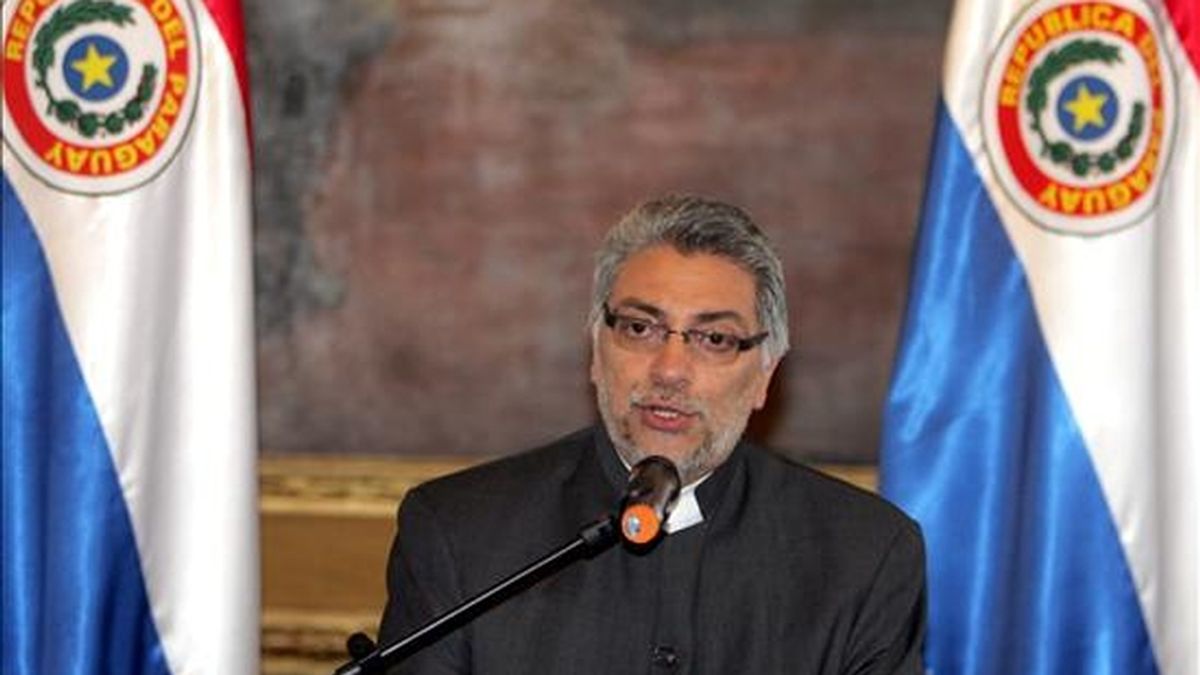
[[697, 225]]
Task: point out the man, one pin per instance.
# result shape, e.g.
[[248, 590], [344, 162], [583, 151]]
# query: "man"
[[767, 567]]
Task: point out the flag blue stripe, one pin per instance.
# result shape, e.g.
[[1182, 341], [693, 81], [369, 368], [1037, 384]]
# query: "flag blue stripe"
[[74, 600], [1026, 572]]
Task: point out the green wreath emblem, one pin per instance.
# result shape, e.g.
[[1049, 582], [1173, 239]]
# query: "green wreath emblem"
[[63, 21], [1060, 151]]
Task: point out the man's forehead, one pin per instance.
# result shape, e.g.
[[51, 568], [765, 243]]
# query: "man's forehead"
[[661, 280]]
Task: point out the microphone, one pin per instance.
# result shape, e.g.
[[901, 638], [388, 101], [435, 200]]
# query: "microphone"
[[649, 497]]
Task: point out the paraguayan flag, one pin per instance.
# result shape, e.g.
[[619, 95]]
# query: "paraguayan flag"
[[1044, 419], [128, 515]]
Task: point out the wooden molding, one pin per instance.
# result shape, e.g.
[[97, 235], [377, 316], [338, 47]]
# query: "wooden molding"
[[300, 642], [345, 486]]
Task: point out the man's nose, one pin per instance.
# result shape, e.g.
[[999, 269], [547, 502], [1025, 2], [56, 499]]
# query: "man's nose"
[[672, 364]]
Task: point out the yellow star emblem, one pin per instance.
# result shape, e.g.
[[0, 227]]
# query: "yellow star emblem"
[[1086, 107], [94, 68]]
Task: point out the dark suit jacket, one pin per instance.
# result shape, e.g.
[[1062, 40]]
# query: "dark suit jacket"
[[790, 572]]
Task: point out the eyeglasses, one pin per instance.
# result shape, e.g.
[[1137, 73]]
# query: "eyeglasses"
[[646, 336]]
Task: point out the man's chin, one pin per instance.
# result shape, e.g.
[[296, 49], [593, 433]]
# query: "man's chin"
[[673, 447], [683, 454]]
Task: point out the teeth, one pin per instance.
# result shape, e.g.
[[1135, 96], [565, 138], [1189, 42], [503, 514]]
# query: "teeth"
[[668, 414]]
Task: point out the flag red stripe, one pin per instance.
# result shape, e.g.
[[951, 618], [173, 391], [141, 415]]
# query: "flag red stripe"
[[227, 14], [1185, 16]]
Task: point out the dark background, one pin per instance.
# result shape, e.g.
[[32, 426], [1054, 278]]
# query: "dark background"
[[433, 176]]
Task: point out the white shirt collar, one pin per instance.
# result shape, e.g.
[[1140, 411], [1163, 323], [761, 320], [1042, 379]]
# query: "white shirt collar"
[[687, 510]]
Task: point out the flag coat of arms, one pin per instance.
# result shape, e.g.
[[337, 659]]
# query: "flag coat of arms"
[[128, 518], [1043, 423]]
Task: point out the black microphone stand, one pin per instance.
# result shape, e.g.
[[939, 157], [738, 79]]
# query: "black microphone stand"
[[367, 658]]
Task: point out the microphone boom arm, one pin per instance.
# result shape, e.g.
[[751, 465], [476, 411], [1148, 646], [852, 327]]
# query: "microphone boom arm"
[[591, 539]]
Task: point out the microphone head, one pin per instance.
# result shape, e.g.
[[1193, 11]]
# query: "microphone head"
[[651, 494]]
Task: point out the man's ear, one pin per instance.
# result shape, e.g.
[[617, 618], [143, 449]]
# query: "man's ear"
[[764, 385]]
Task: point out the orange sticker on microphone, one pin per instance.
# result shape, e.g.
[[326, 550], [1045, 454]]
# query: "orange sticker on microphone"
[[640, 524]]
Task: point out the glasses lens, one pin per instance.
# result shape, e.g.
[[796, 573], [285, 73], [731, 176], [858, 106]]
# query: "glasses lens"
[[714, 343], [637, 334]]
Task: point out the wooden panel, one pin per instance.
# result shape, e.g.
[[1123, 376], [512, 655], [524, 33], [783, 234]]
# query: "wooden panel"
[[327, 525], [327, 563]]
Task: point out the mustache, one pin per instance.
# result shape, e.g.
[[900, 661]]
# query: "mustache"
[[667, 397]]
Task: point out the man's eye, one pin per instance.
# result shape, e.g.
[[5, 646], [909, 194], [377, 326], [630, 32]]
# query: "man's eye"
[[636, 328], [720, 342]]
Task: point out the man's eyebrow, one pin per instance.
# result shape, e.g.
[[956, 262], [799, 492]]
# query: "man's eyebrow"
[[722, 315], [702, 318], [642, 306]]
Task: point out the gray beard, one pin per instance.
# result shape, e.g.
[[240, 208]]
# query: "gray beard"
[[713, 450]]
